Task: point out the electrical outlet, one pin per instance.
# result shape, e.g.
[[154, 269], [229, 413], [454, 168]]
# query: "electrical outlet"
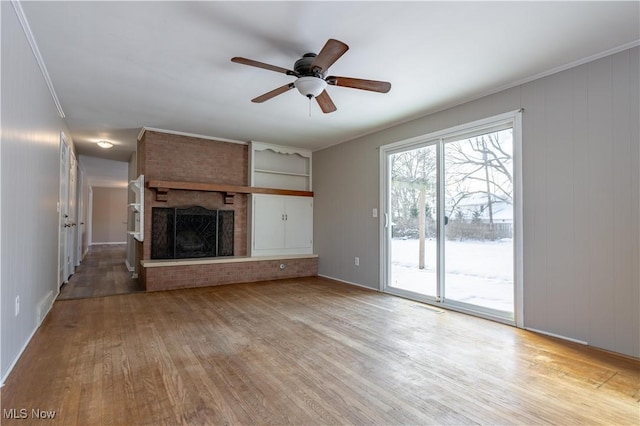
[[17, 305], [356, 261], [374, 212]]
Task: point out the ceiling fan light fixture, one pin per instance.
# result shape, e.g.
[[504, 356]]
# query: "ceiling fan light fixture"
[[310, 86], [105, 144]]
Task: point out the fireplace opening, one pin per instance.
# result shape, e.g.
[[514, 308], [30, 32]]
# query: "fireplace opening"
[[191, 232]]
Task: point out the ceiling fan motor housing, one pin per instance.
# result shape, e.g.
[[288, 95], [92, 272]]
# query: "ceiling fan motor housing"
[[303, 66]]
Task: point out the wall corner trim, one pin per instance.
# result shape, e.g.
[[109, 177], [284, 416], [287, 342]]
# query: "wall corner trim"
[[17, 6]]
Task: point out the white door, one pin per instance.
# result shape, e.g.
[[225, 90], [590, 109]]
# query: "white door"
[[412, 243], [73, 216], [478, 236], [298, 222], [79, 218], [268, 222], [63, 203]]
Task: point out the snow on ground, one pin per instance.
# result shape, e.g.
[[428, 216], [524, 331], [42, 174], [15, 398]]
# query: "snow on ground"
[[476, 272]]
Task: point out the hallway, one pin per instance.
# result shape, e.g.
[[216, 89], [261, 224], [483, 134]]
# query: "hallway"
[[102, 273]]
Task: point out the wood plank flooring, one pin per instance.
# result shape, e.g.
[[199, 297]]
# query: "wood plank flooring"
[[101, 273], [306, 351]]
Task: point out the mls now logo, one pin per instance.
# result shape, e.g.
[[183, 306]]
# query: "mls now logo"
[[23, 413]]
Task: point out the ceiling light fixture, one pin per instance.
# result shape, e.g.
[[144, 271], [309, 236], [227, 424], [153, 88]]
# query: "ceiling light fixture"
[[105, 144], [310, 86]]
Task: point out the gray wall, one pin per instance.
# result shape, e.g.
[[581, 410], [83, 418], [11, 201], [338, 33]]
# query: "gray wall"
[[109, 215], [581, 199], [30, 162]]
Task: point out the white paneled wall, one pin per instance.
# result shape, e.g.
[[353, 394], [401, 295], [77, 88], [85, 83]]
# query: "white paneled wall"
[[580, 193], [581, 214], [31, 129]]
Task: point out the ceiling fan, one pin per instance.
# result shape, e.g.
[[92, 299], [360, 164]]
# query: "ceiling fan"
[[311, 71]]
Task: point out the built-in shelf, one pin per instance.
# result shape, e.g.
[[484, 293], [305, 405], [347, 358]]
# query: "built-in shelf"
[[275, 166], [163, 187], [137, 186]]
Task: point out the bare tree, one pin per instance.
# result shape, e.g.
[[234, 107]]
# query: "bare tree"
[[413, 174], [481, 165]]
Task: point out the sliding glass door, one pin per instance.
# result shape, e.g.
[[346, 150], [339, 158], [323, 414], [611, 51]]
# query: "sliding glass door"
[[412, 190], [450, 220], [478, 208]]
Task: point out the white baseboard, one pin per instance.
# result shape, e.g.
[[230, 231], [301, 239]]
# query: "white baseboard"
[[129, 267], [107, 243], [348, 282], [15, 361], [557, 336], [44, 307], [42, 310]]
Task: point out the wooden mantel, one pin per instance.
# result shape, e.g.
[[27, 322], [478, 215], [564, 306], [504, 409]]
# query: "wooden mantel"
[[163, 187]]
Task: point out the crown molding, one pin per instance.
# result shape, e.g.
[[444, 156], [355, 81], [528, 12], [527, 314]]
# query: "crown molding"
[[570, 65], [192, 135], [17, 6], [567, 66]]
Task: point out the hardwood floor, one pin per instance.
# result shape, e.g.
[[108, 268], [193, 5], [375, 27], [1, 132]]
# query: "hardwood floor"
[[306, 351], [101, 273]]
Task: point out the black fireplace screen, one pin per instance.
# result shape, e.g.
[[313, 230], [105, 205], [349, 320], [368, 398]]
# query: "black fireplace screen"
[[180, 233]]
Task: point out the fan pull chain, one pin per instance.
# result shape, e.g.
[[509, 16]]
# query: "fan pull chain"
[[310, 106]]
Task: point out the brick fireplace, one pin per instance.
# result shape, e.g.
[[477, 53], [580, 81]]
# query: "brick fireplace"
[[173, 157], [191, 232]]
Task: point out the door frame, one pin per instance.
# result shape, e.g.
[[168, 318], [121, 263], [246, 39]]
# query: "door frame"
[[514, 117], [63, 239], [89, 219], [80, 219], [73, 214]]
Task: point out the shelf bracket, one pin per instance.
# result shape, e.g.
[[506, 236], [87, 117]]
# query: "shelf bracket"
[[162, 194], [229, 197]]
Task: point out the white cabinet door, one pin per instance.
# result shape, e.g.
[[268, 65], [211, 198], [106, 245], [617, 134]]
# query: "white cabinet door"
[[299, 223], [268, 223], [282, 225]]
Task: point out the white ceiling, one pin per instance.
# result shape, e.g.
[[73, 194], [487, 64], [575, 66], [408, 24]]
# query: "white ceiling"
[[118, 66]]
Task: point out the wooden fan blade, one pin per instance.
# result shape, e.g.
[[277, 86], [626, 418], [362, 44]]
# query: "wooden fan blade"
[[330, 53], [357, 83], [272, 94], [262, 65], [325, 102]]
